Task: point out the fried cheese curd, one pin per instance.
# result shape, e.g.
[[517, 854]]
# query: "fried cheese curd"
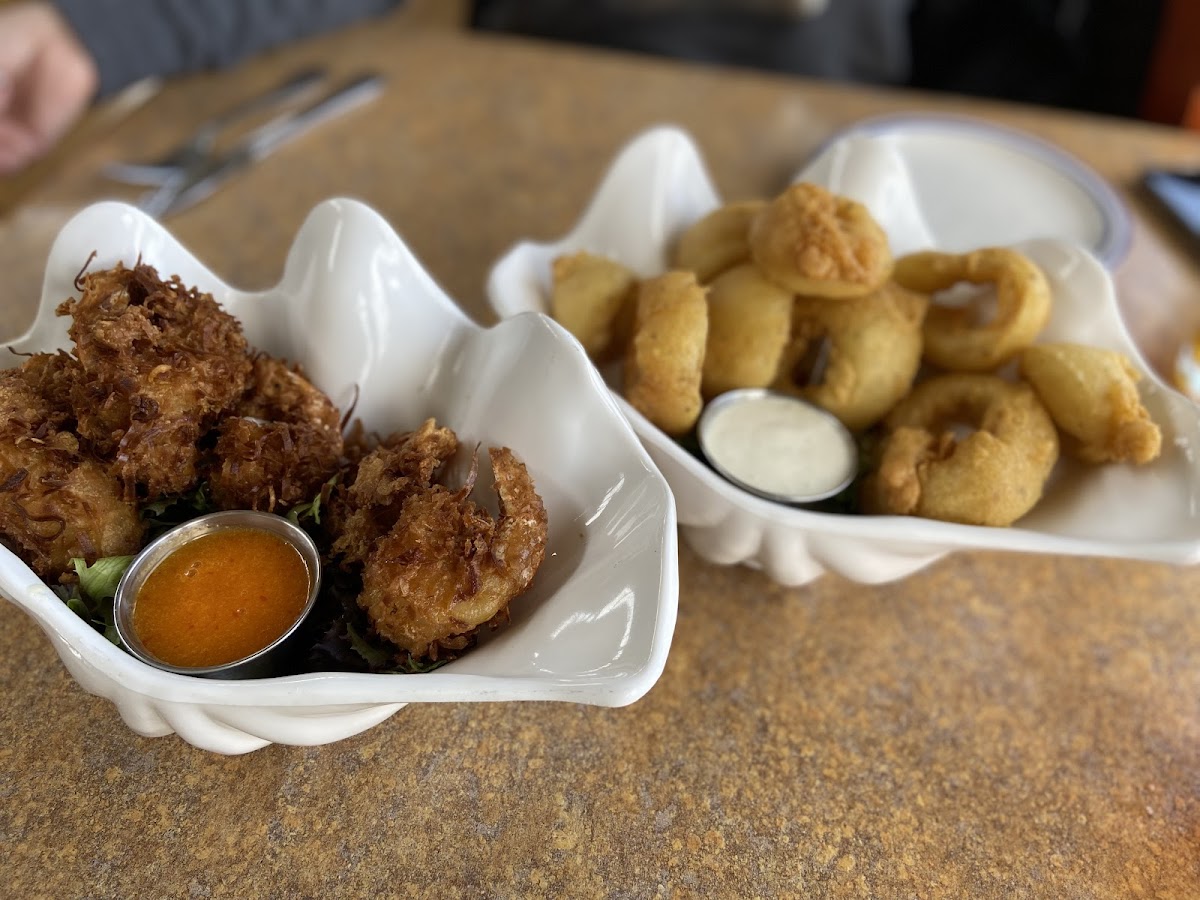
[[435, 566], [1092, 396], [56, 502], [592, 298], [820, 244], [280, 443], [160, 362], [664, 365], [749, 320]]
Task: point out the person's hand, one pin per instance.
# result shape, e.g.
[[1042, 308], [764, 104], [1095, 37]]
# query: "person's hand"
[[47, 80]]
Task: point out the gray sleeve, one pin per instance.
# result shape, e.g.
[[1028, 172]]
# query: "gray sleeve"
[[132, 39]]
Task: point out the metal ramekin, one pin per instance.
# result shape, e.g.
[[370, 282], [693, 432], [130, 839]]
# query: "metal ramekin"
[[263, 662], [741, 395]]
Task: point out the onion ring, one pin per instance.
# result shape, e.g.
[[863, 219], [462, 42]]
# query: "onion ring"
[[992, 476], [1022, 305], [718, 241], [820, 244], [1092, 396], [664, 363], [749, 319], [874, 352]]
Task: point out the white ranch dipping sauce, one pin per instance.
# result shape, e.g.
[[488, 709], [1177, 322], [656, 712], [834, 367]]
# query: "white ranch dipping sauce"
[[778, 446]]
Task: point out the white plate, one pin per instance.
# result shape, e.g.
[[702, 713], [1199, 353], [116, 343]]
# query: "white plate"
[[354, 307], [983, 185], [658, 186]]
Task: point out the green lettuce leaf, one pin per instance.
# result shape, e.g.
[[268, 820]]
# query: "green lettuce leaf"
[[99, 580], [92, 598]]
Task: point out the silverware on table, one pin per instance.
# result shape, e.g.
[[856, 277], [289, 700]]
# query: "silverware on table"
[[202, 141], [187, 187]]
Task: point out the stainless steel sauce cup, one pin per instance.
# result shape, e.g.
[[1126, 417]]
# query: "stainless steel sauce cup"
[[261, 663]]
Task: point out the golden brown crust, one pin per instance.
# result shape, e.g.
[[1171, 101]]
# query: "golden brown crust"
[[749, 319], [666, 355], [953, 340], [587, 297], [872, 356], [991, 476], [1092, 396], [820, 244], [717, 242], [447, 567], [160, 363]]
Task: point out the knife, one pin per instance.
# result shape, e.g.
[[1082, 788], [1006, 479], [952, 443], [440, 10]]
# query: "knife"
[[200, 144], [197, 183]]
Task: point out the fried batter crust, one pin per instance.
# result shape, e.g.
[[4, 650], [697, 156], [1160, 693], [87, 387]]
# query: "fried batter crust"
[[874, 352], [55, 502], [749, 320], [589, 295], [447, 567], [820, 244], [717, 242], [282, 443], [160, 362], [368, 507], [1092, 396], [663, 369], [992, 476], [952, 341]]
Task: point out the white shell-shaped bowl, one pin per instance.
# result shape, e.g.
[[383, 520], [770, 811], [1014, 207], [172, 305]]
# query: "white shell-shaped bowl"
[[356, 309], [658, 186]]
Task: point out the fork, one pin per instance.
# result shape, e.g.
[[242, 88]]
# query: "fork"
[[196, 148], [186, 187]]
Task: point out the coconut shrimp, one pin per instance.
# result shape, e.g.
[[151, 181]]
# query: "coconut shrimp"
[[447, 567]]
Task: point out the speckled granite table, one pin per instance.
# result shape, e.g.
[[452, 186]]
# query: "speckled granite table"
[[994, 726]]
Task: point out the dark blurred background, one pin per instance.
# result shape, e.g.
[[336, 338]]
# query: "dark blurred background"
[[1131, 58]]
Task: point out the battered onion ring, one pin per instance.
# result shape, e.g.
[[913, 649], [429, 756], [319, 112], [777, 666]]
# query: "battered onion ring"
[[820, 244], [749, 319], [587, 296], [951, 340], [663, 365], [874, 352], [719, 241], [1092, 396], [993, 476]]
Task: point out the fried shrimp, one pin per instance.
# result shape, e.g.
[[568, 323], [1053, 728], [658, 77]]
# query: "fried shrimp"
[[663, 368], [383, 479], [35, 397], [749, 319], [160, 363], [953, 340], [280, 444], [992, 476], [1093, 398], [56, 503], [820, 244], [873, 353], [717, 242], [589, 294], [447, 567]]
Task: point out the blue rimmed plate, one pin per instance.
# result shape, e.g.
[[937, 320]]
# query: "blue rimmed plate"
[[983, 184]]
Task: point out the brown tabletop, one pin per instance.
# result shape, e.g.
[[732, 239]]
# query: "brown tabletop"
[[992, 726]]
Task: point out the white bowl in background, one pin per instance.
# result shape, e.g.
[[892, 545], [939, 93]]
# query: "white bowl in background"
[[357, 310], [658, 185]]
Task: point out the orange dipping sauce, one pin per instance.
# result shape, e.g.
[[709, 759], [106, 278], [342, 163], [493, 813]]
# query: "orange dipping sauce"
[[221, 598]]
